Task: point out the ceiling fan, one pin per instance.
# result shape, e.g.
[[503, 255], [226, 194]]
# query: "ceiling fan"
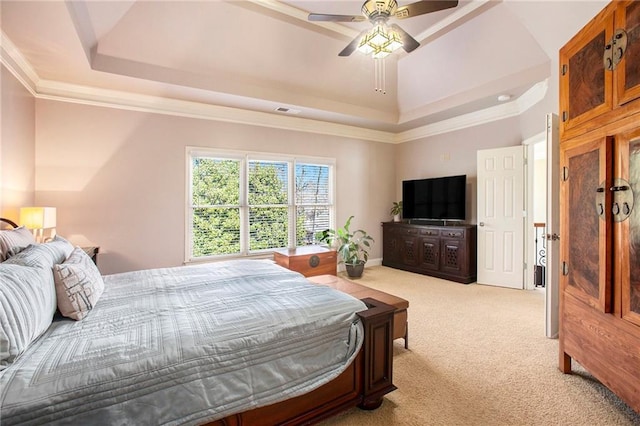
[[383, 39]]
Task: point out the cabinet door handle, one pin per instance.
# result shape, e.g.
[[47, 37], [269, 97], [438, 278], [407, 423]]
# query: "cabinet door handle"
[[619, 188]]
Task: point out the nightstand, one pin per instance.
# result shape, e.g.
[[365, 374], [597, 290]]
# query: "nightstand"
[[308, 260], [92, 252]]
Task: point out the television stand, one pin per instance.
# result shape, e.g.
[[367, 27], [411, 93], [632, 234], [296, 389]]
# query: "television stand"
[[434, 222], [443, 251]]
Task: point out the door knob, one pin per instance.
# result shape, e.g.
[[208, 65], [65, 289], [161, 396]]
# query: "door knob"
[[481, 224]]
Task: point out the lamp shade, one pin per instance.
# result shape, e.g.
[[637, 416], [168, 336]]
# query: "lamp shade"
[[38, 217]]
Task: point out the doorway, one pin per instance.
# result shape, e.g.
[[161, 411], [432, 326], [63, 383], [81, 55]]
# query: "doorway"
[[501, 206], [543, 219]]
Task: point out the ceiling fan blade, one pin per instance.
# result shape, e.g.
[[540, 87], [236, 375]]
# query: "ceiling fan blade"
[[322, 17], [351, 47], [422, 7], [409, 43]]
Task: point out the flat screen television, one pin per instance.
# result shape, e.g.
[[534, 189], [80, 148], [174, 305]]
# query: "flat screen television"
[[442, 198]]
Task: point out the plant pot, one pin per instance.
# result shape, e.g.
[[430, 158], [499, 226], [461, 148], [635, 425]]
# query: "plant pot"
[[355, 270], [396, 218]]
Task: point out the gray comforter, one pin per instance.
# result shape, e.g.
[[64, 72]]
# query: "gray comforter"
[[184, 345]]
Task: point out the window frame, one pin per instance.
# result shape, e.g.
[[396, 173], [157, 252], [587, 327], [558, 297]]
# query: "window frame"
[[244, 157]]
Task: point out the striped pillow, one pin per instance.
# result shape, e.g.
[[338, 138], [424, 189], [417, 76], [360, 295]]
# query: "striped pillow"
[[79, 285], [43, 255], [28, 304], [12, 240]]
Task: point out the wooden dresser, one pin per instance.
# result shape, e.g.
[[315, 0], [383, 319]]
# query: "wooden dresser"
[[600, 177], [447, 252], [308, 260]]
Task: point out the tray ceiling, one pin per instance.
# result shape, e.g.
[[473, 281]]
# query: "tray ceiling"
[[260, 55]]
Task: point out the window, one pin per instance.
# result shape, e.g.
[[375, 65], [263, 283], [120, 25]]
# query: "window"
[[245, 203]]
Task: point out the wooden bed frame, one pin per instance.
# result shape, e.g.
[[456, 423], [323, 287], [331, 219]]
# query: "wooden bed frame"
[[364, 383], [8, 221]]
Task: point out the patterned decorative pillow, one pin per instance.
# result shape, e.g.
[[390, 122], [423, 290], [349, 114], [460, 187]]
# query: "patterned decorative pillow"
[[79, 285], [28, 302], [13, 240]]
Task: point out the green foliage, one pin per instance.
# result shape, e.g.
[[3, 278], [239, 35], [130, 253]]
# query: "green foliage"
[[353, 247], [216, 196], [216, 201], [397, 208], [269, 228]]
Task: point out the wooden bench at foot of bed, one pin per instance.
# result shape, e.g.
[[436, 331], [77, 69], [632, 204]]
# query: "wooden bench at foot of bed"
[[364, 383], [400, 324]]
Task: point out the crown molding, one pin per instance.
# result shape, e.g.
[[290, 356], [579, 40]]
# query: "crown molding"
[[52, 90], [467, 11], [16, 63], [487, 115], [303, 15]]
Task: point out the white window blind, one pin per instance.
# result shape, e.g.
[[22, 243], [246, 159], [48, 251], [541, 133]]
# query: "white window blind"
[[244, 203], [313, 201]]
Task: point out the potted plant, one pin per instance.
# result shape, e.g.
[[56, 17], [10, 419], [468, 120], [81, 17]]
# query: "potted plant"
[[352, 247], [396, 210]]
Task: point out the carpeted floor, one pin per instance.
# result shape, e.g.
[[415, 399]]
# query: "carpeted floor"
[[478, 356]]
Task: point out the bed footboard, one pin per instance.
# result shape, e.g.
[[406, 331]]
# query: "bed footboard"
[[363, 384]]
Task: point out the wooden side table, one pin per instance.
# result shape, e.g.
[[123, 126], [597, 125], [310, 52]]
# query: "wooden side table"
[[92, 252], [308, 260]]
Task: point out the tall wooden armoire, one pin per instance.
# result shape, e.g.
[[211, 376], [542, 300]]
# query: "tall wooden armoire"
[[600, 200]]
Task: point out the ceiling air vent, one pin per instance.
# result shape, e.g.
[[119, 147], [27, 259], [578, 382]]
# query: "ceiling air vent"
[[287, 110]]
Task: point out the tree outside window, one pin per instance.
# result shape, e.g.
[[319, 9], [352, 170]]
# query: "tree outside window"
[[246, 205]]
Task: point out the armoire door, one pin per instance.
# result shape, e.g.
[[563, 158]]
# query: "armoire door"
[[585, 220], [587, 84], [628, 225], [627, 73]]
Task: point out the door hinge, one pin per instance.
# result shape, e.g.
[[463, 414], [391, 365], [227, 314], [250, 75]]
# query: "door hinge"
[[565, 173], [564, 69], [565, 116], [565, 269]]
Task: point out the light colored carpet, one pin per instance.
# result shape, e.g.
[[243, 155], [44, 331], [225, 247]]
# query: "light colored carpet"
[[478, 356]]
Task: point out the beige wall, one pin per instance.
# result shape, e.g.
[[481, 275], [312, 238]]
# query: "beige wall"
[[118, 177], [454, 153], [17, 146]]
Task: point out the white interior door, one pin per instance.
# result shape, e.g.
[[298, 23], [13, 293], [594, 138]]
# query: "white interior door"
[[501, 216], [552, 224]]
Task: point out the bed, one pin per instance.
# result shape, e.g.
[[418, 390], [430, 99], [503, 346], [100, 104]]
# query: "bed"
[[234, 342]]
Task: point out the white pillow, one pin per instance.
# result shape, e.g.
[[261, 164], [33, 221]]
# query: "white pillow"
[[13, 240], [28, 303], [43, 255], [79, 285]]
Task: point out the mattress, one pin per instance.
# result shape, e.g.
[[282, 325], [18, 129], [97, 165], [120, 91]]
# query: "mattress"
[[185, 345]]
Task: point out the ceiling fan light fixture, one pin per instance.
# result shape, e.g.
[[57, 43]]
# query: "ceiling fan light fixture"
[[379, 36], [364, 46], [381, 53], [395, 42], [380, 42], [374, 8]]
